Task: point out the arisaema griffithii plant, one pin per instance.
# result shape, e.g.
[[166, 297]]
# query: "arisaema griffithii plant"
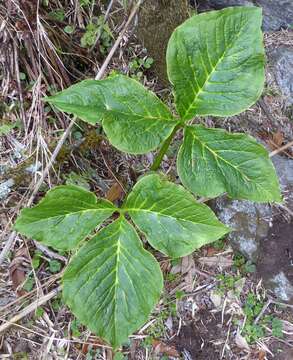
[[215, 63]]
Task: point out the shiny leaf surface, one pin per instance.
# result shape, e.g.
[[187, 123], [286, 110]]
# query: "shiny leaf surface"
[[173, 222], [112, 283], [65, 216], [213, 161], [134, 119], [215, 62]]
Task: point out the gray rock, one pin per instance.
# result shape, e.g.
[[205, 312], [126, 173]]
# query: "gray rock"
[[284, 168], [275, 263], [282, 286], [220, 4], [250, 222], [277, 14], [262, 238], [281, 62], [5, 188]]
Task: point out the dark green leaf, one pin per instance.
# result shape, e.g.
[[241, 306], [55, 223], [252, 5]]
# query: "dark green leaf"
[[213, 161], [64, 217], [134, 119], [215, 62], [112, 283], [173, 222]]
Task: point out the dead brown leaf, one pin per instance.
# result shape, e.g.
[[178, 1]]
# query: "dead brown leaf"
[[212, 251], [276, 140], [220, 261], [17, 270], [241, 342], [164, 349], [261, 355], [115, 192], [187, 269]]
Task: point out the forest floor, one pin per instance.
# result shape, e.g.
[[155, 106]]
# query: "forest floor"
[[214, 304]]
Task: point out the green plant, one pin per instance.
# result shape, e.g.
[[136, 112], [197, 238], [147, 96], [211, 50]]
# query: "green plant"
[[97, 29], [215, 63], [227, 282], [138, 66], [252, 330]]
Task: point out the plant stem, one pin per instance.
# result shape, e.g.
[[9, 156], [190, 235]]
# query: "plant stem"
[[157, 162]]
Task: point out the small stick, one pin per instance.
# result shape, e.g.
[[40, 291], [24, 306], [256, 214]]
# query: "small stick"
[[119, 39], [263, 310], [104, 22], [12, 236], [100, 74], [30, 308], [49, 282], [11, 239], [282, 148]]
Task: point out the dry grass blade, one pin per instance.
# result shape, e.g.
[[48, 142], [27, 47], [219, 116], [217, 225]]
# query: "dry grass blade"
[[61, 141], [30, 308]]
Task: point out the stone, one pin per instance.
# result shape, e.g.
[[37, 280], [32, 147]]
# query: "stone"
[[276, 14], [250, 223], [262, 237], [5, 188], [275, 263], [284, 168], [220, 4], [281, 64]]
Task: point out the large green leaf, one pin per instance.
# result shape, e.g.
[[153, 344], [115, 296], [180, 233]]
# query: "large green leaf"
[[134, 119], [173, 222], [64, 217], [213, 161], [112, 283], [215, 62]]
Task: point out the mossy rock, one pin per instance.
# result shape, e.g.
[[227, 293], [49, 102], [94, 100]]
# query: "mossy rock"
[[157, 21]]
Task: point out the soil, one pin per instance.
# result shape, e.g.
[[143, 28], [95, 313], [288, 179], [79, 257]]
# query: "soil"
[[201, 339], [280, 244]]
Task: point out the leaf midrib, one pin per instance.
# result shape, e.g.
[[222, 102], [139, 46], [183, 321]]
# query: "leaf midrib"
[[106, 111], [71, 213], [216, 156], [172, 217], [214, 68]]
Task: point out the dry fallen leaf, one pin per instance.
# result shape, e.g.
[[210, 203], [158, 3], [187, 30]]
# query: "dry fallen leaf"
[[211, 251], [115, 192], [276, 141], [17, 270], [278, 138], [164, 349], [187, 269], [216, 298], [241, 342], [217, 261]]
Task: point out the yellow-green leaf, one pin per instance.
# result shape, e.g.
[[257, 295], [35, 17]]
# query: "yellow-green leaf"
[[65, 216], [112, 283], [173, 222], [134, 118], [213, 161], [215, 62]]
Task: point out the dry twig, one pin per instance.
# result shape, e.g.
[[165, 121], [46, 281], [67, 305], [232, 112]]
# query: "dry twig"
[[11, 238]]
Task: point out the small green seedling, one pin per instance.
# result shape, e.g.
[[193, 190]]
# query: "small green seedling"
[[254, 331], [215, 63]]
